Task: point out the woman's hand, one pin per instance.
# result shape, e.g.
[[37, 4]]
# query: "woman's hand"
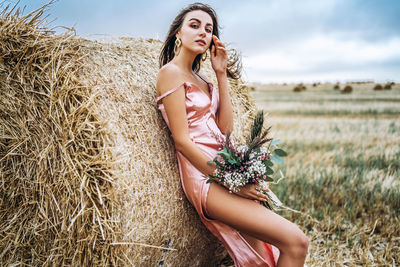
[[253, 191], [219, 56]]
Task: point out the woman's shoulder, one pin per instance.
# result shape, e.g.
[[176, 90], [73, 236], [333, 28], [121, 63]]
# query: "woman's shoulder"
[[169, 76]]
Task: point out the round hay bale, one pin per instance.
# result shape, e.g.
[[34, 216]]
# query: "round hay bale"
[[378, 87], [336, 86], [347, 89], [387, 86], [297, 88], [88, 165]]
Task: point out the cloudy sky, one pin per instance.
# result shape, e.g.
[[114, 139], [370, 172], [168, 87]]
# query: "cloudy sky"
[[280, 40]]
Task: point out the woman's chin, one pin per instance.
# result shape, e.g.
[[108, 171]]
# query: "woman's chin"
[[198, 51]]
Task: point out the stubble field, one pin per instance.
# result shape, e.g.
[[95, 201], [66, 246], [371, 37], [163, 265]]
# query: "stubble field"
[[342, 171]]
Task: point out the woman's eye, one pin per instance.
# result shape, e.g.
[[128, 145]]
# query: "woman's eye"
[[193, 25], [208, 30]]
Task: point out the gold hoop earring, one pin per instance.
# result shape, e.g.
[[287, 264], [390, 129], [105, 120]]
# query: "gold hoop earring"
[[204, 56], [177, 46]]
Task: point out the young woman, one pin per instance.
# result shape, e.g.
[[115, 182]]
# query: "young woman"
[[194, 111]]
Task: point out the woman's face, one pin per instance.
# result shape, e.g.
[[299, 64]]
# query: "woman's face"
[[196, 31]]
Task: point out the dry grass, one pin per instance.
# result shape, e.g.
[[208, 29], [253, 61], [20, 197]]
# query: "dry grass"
[[342, 172]]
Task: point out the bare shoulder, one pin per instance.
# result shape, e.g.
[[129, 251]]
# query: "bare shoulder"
[[169, 76]]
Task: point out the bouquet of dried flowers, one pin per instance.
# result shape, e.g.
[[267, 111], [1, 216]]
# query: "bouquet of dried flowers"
[[250, 163]]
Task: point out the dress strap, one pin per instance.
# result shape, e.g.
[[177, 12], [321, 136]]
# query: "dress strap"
[[202, 77], [170, 91]]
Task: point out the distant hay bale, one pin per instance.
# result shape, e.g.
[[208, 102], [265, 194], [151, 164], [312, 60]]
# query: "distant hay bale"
[[347, 89], [88, 166], [387, 86], [252, 88], [299, 87], [337, 86], [378, 87]]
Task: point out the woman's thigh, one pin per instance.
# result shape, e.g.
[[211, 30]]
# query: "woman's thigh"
[[250, 217]]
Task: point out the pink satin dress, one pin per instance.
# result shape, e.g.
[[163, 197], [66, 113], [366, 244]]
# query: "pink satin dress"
[[201, 117]]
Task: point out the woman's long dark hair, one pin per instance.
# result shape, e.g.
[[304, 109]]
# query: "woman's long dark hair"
[[234, 65]]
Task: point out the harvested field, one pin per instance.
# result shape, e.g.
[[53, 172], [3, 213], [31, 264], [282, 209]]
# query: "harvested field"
[[342, 171]]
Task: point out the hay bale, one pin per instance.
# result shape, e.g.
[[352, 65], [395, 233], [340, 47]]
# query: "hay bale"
[[347, 89], [378, 87], [88, 166], [336, 87], [387, 86], [299, 87]]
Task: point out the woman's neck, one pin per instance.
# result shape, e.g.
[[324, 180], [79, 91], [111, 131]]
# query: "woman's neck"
[[185, 60]]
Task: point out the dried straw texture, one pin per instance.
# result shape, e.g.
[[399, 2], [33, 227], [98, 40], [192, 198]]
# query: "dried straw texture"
[[88, 167], [55, 191]]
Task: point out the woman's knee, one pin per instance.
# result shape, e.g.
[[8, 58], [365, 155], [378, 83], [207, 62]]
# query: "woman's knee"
[[298, 245]]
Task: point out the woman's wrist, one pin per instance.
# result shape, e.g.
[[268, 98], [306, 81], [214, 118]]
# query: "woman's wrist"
[[221, 74]]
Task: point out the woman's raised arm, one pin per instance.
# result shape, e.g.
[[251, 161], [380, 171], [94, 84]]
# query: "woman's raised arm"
[[219, 62], [224, 114], [175, 108]]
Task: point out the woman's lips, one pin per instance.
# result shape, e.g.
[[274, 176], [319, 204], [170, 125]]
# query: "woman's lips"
[[201, 43]]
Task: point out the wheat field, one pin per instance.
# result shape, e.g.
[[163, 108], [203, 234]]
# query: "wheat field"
[[342, 171]]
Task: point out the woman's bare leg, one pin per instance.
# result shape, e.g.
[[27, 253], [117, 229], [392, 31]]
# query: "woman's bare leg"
[[255, 243], [255, 220]]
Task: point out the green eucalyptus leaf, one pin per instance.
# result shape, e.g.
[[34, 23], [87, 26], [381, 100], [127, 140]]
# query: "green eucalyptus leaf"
[[275, 142], [219, 164], [275, 158], [268, 179], [268, 163], [269, 171], [280, 152]]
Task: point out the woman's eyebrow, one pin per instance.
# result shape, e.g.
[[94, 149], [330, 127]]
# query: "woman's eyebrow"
[[208, 24]]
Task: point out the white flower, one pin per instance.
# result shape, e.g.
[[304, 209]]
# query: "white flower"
[[242, 148], [257, 167]]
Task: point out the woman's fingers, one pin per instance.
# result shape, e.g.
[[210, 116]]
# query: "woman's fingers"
[[253, 192], [219, 44], [218, 41], [262, 197], [261, 194]]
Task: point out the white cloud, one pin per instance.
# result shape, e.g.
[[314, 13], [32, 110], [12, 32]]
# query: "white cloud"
[[322, 56]]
